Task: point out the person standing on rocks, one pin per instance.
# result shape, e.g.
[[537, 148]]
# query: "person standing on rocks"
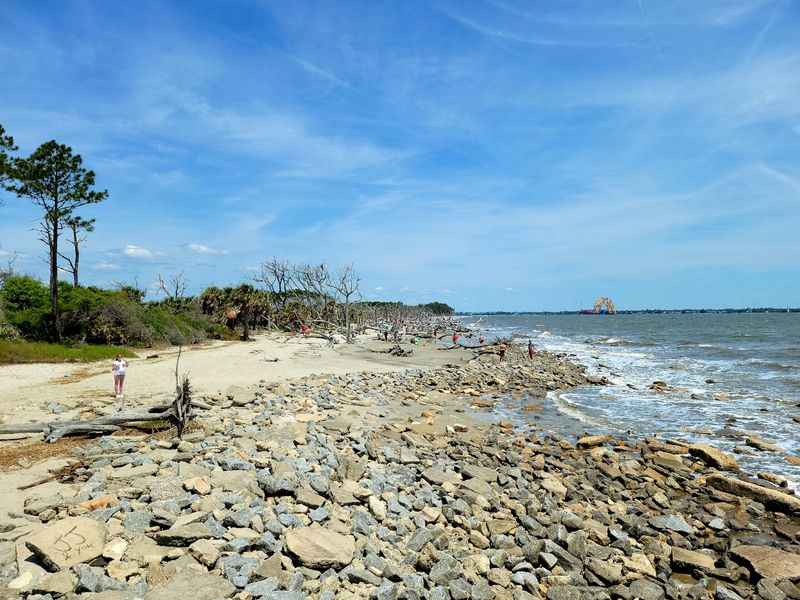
[[531, 351], [118, 368]]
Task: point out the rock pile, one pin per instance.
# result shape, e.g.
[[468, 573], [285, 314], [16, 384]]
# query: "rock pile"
[[342, 487]]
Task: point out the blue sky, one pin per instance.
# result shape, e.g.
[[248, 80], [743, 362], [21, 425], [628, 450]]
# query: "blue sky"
[[491, 154]]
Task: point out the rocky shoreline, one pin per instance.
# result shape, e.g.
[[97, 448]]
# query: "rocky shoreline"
[[386, 486]]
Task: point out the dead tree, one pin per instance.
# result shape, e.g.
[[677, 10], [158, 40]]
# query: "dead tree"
[[314, 281], [78, 228], [276, 277], [173, 288], [346, 285]]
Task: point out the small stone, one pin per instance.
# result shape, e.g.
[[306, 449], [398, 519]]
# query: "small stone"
[[204, 552]]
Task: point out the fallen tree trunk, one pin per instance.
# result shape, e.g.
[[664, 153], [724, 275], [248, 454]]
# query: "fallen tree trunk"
[[108, 424]]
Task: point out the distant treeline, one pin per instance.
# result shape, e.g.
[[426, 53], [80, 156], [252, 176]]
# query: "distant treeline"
[[652, 311], [122, 316], [434, 308]]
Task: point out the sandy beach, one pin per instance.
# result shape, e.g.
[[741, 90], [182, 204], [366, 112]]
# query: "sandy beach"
[[26, 391]]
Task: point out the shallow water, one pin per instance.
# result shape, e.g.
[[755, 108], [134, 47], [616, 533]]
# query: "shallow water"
[[739, 374]]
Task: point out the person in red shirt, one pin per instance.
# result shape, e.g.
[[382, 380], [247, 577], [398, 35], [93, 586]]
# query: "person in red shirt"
[[455, 338]]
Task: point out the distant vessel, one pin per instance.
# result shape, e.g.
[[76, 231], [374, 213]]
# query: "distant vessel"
[[602, 306]]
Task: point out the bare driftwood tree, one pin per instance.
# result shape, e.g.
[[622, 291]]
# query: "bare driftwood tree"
[[346, 285], [276, 277], [174, 287], [9, 269], [314, 281], [78, 228]]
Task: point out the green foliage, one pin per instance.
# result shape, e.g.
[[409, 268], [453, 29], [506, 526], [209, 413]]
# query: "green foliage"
[[54, 178], [101, 316], [26, 306], [6, 145], [438, 308], [30, 352]]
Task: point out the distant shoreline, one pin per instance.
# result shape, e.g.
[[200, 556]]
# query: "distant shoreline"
[[653, 311]]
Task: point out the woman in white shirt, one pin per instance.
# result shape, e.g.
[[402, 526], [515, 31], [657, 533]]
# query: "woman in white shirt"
[[118, 368]]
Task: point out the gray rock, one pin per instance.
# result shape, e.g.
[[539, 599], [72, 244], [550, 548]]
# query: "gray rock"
[[185, 535], [438, 593], [387, 591], [606, 570], [319, 514], [238, 569], [460, 589], [419, 539], [725, 593], [767, 588], [446, 570], [363, 576], [672, 523], [646, 590], [564, 592], [526, 580], [94, 579], [482, 591]]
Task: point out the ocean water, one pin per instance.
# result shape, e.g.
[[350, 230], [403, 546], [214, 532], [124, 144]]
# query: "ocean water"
[[737, 374]]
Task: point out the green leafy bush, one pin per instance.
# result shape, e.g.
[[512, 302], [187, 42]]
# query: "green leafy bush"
[[98, 316]]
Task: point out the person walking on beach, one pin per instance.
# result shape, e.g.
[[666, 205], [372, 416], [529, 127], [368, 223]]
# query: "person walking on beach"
[[118, 368], [530, 350], [455, 338]]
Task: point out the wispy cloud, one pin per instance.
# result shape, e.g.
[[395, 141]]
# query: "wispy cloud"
[[106, 266], [319, 72], [203, 249], [134, 251], [534, 40]]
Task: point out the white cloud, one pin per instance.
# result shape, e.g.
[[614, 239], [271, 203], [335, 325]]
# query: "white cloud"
[[106, 266], [509, 289], [134, 251], [378, 288], [203, 249]]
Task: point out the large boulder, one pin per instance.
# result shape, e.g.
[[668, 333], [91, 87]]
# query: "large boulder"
[[714, 457], [765, 561], [768, 497], [68, 542], [319, 548]]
